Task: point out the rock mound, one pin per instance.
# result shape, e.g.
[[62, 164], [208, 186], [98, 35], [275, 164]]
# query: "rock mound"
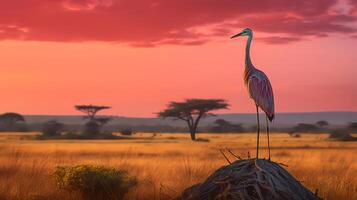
[[249, 179]]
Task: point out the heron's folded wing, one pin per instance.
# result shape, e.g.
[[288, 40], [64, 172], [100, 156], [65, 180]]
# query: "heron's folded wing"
[[261, 92]]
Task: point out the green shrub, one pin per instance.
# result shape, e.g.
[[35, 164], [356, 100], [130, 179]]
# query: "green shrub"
[[94, 182]]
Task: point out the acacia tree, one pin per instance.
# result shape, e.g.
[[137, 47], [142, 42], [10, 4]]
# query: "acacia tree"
[[90, 110], [10, 119], [192, 111], [95, 123]]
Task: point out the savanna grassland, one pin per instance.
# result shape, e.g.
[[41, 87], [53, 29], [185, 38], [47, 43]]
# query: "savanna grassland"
[[165, 164]]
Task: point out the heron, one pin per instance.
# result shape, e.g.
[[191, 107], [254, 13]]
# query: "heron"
[[259, 88]]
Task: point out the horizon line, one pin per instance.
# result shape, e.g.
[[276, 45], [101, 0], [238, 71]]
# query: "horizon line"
[[232, 113]]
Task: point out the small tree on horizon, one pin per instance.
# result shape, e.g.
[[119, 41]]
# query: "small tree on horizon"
[[303, 127], [322, 123], [9, 120], [222, 125], [94, 124], [222, 122], [90, 110], [192, 111]]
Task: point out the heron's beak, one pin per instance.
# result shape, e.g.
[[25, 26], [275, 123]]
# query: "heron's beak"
[[239, 34]]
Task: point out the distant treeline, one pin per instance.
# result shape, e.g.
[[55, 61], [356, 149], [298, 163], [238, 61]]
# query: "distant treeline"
[[190, 111], [219, 126]]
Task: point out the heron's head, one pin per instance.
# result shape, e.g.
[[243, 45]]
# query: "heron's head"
[[246, 31]]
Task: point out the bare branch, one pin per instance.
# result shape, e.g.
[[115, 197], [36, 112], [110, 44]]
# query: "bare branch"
[[225, 156], [238, 157]]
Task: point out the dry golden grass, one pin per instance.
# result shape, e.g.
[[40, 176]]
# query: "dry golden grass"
[[168, 163]]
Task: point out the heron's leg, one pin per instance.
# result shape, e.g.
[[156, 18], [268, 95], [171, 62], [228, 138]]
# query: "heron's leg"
[[268, 137], [258, 131]]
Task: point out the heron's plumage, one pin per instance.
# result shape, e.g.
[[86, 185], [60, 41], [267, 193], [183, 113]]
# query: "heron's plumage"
[[261, 92], [259, 87]]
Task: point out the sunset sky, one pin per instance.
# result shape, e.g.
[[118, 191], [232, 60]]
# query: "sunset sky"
[[137, 55]]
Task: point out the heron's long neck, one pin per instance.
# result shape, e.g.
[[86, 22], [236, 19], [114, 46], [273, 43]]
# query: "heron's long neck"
[[249, 68], [248, 62]]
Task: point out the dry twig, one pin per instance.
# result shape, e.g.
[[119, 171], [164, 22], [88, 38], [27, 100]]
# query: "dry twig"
[[225, 156]]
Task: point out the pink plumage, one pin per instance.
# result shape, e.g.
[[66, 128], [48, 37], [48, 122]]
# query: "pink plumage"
[[261, 92]]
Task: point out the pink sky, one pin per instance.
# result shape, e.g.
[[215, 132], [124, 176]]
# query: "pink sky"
[[136, 56]]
